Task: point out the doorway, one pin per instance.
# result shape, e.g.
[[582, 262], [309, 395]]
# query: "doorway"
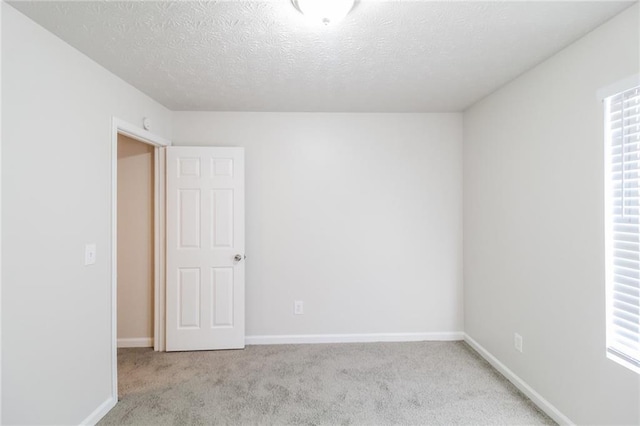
[[202, 201], [136, 135], [135, 245]]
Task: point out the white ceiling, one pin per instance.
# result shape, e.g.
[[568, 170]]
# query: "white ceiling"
[[386, 56]]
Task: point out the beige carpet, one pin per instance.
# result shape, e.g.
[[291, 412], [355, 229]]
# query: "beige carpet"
[[440, 383]]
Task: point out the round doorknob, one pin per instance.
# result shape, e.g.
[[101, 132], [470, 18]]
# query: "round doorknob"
[[238, 258]]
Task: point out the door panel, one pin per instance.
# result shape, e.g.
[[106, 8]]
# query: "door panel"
[[189, 298], [222, 218], [189, 218], [222, 297], [205, 231]]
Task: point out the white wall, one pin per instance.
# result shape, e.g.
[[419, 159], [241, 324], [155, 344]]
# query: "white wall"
[[135, 242], [56, 187], [533, 226], [357, 215]]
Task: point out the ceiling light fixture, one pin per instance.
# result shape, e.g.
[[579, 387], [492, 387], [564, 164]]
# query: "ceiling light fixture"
[[325, 11]]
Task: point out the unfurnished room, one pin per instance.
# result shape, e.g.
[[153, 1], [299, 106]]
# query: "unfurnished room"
[[320, 212]]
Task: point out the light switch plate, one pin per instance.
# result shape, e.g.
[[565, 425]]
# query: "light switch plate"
[[89, 254]]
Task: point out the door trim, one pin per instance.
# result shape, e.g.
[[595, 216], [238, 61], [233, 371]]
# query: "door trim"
[[121, 127]]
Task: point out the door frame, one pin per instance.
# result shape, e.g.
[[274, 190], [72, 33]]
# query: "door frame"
[[121, 127]]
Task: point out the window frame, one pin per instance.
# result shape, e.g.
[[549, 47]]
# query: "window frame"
[[605, 95]]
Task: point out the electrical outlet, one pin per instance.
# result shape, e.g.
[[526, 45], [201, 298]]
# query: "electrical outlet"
[[298, 307], [89, 254], [517, 342]]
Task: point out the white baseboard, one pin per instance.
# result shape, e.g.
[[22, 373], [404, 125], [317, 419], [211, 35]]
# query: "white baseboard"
[[100, 412], [136, 342], [537, 399], [353, 338]]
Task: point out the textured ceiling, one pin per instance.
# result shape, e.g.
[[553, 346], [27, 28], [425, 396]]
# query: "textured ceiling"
[[387, 56]]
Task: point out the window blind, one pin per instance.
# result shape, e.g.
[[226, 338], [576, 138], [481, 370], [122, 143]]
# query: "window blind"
[[623, 270]]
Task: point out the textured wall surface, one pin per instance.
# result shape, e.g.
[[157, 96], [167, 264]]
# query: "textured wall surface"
[[386, 56], [534, 226]]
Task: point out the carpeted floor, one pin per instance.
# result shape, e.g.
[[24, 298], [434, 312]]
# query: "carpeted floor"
[[440, 383]]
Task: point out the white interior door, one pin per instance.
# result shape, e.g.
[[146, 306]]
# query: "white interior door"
[[205, 248]]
